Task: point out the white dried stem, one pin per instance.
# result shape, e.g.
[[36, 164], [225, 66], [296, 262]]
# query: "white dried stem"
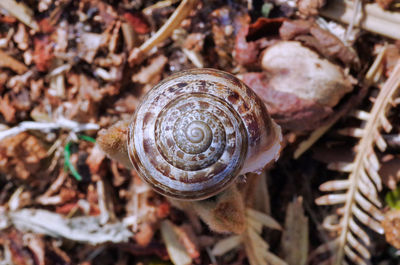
[[373, 71], [60, 123], [313, 138], [335, 185], [375, 19], [361, 115], [357, 4], [331, 199], [85, 229], [341, 166]]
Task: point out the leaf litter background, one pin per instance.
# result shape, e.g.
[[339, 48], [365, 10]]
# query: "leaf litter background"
[[70, 68]]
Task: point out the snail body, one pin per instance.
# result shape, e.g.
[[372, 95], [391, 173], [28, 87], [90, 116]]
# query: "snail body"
[[197, 130]]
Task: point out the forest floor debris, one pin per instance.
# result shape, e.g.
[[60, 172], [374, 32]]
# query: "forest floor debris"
[[70, 68]]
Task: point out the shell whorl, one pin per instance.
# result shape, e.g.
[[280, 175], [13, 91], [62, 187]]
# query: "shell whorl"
[[193, 132]]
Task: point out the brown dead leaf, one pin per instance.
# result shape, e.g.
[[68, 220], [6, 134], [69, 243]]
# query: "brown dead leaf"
[[327, 44], [298, 70], [391, 225], [176, 249], [332, 46], [152, 72], [126, 104], [46, 26], [20, 155], [188, 238], [292, 28], [163, 210], [194, 41], [246, 53], [7, 109], [95, 159], [67, 194], [144, 235], [295, 235], [107, 13], [138, 22], [67, 208], [43, 53], [288, 110], [6, 61], [21, 101], [36, 88], [87, 88]]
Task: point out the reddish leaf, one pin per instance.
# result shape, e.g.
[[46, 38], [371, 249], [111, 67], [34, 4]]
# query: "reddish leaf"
[[43, 53], [7, 109], [138, 22], [265, 27], [46, 26], [246, 53]]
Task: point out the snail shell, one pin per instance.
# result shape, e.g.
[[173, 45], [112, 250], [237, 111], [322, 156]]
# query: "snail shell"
[[197, 130]]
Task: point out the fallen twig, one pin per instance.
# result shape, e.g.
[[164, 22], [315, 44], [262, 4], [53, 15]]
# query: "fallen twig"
[[60, 123], [86, 229], [375, 19], [164, 32]]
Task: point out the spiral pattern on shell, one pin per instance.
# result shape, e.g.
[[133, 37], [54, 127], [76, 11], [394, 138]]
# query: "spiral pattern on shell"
[[192, 133]]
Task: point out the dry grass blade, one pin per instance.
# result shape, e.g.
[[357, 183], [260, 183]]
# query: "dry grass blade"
[[313, 138], [263, 219], [9, 62], [360, 196], [257, 249], [226, 244], [183, 10], [295, 236], [176, 250], [21, 12]]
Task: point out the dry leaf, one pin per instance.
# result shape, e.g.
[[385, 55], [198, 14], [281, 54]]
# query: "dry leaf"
[[176, 250], [295, 235]]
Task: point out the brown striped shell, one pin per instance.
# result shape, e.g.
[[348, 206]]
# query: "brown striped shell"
[[197, 130]]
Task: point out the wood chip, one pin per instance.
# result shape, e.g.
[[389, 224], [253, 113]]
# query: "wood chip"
[[21, 12], [7, 61]]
